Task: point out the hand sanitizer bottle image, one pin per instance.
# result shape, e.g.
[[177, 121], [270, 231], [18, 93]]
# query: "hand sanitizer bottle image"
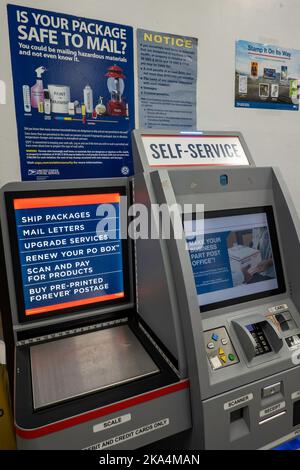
[[37, 90], [88, 98]]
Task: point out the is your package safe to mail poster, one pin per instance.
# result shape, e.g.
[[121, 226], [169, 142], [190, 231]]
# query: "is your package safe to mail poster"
[[266, 76], [74, 94]]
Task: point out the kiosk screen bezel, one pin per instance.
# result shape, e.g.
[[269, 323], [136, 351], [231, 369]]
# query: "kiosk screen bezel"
[[10, 196], [268, 210]]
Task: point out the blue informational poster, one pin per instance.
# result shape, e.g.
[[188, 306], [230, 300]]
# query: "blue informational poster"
[[74, 94], [266, 76], [167, 66], [66, 259]]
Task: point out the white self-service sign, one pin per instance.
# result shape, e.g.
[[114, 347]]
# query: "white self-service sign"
[[189, 150]]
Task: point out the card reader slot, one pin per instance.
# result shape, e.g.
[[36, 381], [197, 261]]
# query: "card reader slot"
[[257, 336]]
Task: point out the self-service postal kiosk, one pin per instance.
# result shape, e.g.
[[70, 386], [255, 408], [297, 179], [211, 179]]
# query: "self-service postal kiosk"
[[228, 292], [89, 372], [206, 354]]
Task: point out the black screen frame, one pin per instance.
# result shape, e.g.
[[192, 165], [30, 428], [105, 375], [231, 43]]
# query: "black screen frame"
[[16, 262], [268, 210]]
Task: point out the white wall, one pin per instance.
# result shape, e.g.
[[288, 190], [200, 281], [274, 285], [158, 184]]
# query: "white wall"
[[272, 136]]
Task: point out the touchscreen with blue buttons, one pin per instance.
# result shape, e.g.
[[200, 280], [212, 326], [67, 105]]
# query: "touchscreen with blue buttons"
[[68, 257]]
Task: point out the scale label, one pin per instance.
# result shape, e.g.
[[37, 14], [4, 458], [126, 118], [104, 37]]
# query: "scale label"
[[238, 401], [191, 150], [110, 423], [126, 436], [272, 409]]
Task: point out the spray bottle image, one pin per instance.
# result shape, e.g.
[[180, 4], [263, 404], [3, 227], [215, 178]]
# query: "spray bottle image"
[[37, 90]]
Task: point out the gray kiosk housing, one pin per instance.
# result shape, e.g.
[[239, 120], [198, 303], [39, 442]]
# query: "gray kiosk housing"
[[94, 378], [253, 400]]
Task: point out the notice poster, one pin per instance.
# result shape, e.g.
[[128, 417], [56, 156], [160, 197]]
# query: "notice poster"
[[266, 76], [167, 70], [74, 94], [66, 259]]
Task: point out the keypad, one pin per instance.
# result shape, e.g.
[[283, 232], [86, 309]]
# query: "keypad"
[[219, 349], [262, 344]]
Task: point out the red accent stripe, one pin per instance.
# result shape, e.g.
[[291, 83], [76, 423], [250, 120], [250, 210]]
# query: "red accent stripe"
[[61, 201], [74, 303], [100, 412], [258, 54]]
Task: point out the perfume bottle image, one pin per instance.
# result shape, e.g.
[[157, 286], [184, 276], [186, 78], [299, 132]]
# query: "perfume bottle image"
[[100, 107]]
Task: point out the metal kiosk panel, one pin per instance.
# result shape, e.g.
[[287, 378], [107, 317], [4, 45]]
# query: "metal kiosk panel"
[[92, 362]]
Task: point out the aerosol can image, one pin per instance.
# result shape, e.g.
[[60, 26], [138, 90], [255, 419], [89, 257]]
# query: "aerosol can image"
[[88, 98], [37, 90]]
